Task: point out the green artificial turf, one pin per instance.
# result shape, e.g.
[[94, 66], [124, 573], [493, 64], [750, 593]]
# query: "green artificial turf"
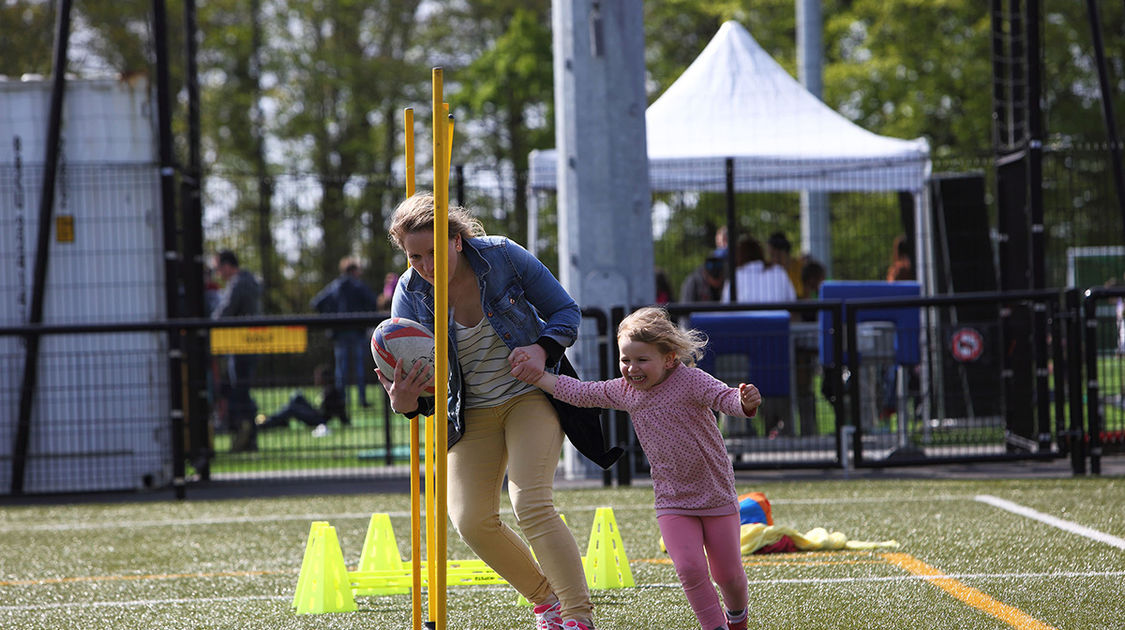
[[235, 563]]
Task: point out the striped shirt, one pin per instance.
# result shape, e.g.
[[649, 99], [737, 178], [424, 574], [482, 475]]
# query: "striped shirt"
[[484, 362]]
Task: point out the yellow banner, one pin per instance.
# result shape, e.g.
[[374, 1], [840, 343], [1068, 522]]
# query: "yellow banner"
[[259, 340]]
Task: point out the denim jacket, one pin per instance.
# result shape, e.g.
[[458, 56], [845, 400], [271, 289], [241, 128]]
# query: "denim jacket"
[[524, 303]]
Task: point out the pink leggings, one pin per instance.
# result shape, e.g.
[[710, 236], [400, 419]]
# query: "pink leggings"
[[696, 543]]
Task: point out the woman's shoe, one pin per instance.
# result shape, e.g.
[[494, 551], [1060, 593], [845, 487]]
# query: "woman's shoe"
[[547, 616]]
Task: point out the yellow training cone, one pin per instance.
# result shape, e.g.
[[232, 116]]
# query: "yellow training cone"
[[311, 547], [606, 563], [326, 584], [380, 553]]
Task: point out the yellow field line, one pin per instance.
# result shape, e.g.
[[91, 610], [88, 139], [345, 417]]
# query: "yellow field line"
[[155, 576], [971, 596]]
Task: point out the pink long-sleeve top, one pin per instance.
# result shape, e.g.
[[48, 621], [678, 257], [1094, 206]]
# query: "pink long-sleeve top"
[[679, 433]]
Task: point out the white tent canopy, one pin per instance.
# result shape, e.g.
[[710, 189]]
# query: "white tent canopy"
[[735, 101]]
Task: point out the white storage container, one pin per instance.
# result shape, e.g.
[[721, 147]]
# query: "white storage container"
[[100, 418]]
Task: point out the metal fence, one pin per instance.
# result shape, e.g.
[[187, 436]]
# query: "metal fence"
[[862, 382]]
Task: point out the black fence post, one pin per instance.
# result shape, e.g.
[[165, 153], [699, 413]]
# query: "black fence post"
[[853, 384], [837, 384], [197, 404], [601, 322], [171, 252], [1093, 389], [622, 429], [1042, 377], [1060, 371], [46, 212], [1075, 441]]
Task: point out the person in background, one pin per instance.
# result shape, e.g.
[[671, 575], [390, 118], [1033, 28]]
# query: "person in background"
[[902, 260], [241, 296], [211, 292], [348, 294], [721, 241], [756, 279], [332, 405], [383, 302], [806, 355], [672, 404], [761, 282], [780, 253], [705, 284], [900, 269], [663, 288], [813, 275]]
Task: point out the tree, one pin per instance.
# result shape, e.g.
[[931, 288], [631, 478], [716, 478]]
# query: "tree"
[[913, 68], [508, 88], [341, 73], [28, 27]]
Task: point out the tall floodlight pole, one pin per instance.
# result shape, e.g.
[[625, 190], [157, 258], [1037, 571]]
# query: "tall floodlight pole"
[[815, 229], [605, 218]]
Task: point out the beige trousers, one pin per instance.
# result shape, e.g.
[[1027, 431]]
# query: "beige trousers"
[[522, 437]]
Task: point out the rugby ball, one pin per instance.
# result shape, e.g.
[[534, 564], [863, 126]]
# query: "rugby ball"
[[401, 338]]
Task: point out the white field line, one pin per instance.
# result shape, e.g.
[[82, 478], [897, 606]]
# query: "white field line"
[[1053, 521], [143, 602], [343, 516], [676, 585]]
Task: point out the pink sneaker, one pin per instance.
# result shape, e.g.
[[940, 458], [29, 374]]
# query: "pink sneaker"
[[741, 624], [547, 616], [575, 625]]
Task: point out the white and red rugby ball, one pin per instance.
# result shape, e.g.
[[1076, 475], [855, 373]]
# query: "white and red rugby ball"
[[401, 338]]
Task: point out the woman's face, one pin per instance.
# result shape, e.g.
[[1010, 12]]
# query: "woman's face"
[[419, 248]]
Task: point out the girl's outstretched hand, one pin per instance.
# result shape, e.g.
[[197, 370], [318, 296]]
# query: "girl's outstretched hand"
[[751, 398]]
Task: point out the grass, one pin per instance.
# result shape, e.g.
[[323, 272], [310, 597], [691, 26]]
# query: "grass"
[[234, 563]]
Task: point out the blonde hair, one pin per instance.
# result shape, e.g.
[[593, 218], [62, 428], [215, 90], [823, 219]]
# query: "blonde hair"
[[416, 214], [652, 325]]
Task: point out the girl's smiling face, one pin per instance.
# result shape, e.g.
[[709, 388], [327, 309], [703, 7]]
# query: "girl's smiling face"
[[643, 365]]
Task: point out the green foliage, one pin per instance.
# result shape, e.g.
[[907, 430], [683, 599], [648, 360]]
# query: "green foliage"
[[913, 68], [26, 25], [676, 31], [507, 91], [316, 89]]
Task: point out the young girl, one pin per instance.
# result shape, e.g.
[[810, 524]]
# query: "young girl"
[[671, 404]]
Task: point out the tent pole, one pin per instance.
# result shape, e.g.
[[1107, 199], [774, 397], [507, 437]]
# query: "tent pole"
[[732, 231], [924, 271]]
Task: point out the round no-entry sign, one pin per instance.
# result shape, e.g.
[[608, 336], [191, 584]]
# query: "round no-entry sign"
[[967, 344]]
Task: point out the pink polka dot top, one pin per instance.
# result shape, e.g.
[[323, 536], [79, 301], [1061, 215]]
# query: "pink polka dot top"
[[678, 431]]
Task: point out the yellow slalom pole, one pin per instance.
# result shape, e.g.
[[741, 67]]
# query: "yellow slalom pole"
[[408, 124], [448, 151], [415, 459], [431, 529], [441, 334]]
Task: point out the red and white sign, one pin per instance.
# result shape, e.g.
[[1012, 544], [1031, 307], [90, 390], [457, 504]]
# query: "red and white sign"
[[967, 344]]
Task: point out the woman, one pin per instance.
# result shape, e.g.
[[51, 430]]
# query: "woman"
[[506, 309]]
